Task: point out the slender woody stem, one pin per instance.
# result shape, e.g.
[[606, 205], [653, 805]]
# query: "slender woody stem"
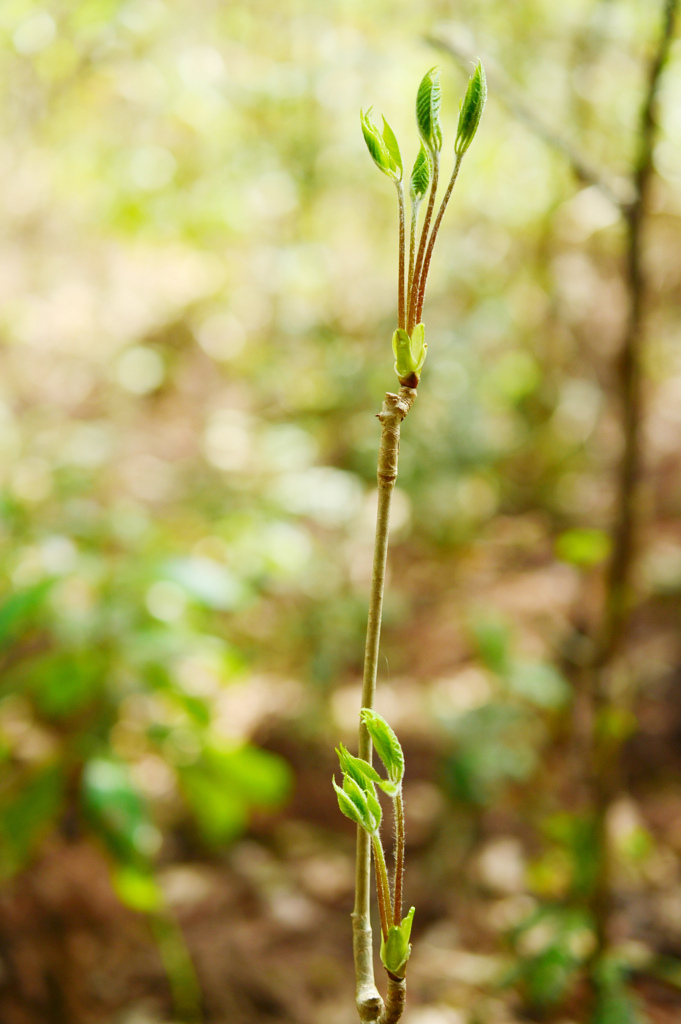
[[401, 304], [411, 319], [394, 1004], [399, 856], [431, 241], [395, 408]]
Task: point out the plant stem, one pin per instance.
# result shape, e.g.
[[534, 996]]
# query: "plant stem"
[[382, 887], [411, 318], [421, 292], [178, 965], [394, 1004], [395, 408], [412, 247], [401, 305], [399, 856]]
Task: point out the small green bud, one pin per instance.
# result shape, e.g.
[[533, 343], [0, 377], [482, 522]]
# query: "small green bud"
[[383, 148], [420, 176], [410, 354], [428, 103], [361, 771], [470, 112], [386, 743], [395, 950]]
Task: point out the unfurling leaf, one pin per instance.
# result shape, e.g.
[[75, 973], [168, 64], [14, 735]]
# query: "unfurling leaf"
[[361, 771], [396, 948], [420, 176], [386, 743], [410, 354], [347, 806], [360, 806], [383, 148], [392, 146], [472, 106], [428, 103]]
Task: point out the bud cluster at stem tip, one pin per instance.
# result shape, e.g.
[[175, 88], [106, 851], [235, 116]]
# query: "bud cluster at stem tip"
[[408, 340]]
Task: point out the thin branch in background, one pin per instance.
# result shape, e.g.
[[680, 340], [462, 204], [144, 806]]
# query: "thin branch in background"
[[604, 760], [629, 368], [617, 190]]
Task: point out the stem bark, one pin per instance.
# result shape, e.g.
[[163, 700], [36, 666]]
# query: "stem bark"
[[369, 1003]]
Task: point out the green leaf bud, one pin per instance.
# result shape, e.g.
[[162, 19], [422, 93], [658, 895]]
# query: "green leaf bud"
[[383, 148], [410, 354], [386, 743], [472, 106], [420, 176], [395, 950], [361, 771], [428, 103]]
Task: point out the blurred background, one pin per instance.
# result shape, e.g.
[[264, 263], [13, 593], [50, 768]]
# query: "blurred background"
[[197, 273]]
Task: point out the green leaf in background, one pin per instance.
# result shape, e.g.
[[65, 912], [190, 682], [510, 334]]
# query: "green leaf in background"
[[549, 975], [208, 582], [137, 889], [472, 106], [27, 811], [564, 937], [19, 611], [428, 103], [65, 682], [615, 1003], [492, 638], [386, 743], [585, 548], [493, 745], [221, 815], [578, 836], [539, 683], [227, 782], [117, 812]]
